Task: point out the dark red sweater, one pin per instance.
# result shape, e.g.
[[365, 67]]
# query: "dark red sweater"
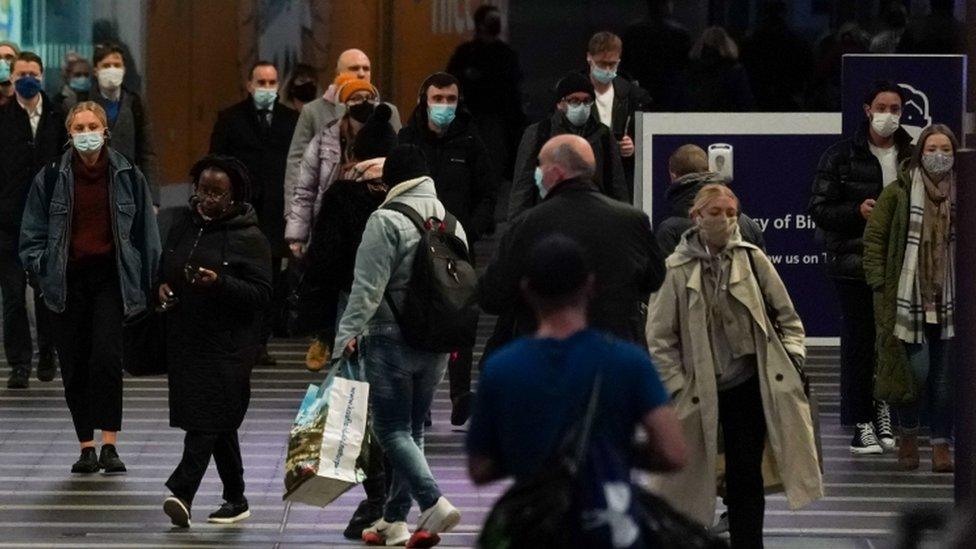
[[91, 218]]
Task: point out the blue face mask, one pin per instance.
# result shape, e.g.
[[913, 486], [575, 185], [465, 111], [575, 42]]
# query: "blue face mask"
[[27, 87], [80, 83], [4, 70], [264, 98], [602, 76], [578, 116], [441, 115], [543, 191], [87, 142]]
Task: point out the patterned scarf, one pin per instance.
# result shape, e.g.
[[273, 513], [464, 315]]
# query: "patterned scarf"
[[931, 248]]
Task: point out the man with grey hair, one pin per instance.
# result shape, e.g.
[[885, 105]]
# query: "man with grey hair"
[[616, 237]]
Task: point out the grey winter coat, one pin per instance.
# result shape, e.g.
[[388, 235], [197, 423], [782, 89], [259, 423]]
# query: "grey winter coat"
[[131, 135], [384, 261]]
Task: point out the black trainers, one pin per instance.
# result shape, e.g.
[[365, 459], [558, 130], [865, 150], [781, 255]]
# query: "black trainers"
[[865, 440], [461, 409], [87, 463], [109, 460], [47, 367], [365, 516], [882, 426], [229, 513], [178, 511], [19, 379]]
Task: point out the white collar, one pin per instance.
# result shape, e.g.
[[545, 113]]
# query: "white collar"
[[38, 109]]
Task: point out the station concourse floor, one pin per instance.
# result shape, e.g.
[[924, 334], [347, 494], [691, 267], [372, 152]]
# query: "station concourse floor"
[[43, 505]]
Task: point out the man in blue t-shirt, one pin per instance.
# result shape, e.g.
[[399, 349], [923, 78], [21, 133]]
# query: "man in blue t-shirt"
[[531, 390]]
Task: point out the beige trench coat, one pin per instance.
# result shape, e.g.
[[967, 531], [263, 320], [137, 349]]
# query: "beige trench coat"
[[677, 333]]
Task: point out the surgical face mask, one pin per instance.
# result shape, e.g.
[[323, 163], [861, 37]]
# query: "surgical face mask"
[[937, 163], [578, 115], [28, 87], [88, 142], [543, 191], [264, 98], [80, 83], [442, 115], [885, 123], [110, 78], [602, 76], [4, 70], [717, 230]]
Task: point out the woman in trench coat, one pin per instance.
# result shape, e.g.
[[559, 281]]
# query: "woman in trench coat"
[[728, 371]]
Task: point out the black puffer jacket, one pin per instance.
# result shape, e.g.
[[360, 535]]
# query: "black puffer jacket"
[[213, 333], [848, 174], [459, 164], [681, 196]]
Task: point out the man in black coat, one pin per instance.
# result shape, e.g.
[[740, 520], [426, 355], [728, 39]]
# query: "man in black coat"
[[258, 131], [616, 237], [850, 177], [574, 114], [688, 167], [32, 133], [466, 182]]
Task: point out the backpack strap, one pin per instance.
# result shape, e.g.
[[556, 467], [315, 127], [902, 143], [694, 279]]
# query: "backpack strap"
[[450, 222]]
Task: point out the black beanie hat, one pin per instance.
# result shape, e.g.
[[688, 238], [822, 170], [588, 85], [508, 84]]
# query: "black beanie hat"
[[572, 83], [376, 138], [405, 162]]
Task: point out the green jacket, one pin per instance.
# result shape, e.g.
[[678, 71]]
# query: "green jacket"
[[885, 239]]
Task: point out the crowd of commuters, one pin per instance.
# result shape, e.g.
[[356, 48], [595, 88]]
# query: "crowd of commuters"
[[686, 331]]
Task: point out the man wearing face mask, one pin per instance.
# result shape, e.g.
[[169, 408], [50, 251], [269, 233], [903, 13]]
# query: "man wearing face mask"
[[76, 79], [128, 122], [257, 131], [8, 52], [617, 99], [466, 182], [850, 177], [574, 114], [32, 133], [616, 237]]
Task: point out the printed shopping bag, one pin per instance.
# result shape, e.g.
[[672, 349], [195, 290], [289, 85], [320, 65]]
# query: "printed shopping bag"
[[328, 438]]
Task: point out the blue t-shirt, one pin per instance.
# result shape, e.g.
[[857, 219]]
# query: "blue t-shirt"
[[532, 389]]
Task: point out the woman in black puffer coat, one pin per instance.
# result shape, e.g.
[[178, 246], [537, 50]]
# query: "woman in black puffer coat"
[[215, 283]]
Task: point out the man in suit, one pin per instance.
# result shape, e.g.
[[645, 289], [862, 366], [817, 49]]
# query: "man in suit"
[[258, 132]]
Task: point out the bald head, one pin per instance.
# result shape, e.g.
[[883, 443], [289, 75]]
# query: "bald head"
[[354, 61], [566, 157]]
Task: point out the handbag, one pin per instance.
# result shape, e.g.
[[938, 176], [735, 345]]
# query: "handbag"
[[144, 344], [807, 390]]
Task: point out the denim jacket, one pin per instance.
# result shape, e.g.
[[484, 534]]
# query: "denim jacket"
[[384, 261], [45, 234]]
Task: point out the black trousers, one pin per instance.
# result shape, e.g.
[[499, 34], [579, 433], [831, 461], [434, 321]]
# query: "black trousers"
[[89, 341], [198, 446], [16, 327], [279, 300], [857, 353], [740, 413], [459, 372]]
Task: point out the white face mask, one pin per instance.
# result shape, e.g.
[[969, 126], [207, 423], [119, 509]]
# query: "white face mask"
[[884, 123], [110, 78]]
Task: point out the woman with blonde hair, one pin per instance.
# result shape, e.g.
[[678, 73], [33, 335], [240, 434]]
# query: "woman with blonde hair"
[[733, 373], [90, 238], [910, 262]]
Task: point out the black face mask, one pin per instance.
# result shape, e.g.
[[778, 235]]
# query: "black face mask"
[[304, 92], [361, 112]]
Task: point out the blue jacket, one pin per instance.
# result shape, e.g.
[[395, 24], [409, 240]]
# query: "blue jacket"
[[45, 234]]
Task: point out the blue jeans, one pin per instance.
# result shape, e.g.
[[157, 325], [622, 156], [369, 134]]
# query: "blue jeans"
[[402, 381], [929, 362]]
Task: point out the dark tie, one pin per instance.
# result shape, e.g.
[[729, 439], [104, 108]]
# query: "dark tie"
[[264, 117]]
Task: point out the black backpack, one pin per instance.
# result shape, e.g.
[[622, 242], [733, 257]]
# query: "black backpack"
[[439, 313]]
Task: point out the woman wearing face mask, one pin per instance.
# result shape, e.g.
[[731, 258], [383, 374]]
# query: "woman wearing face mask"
[[909, 262], [728, 370], [301, 87], [76, 78], [89, 235], [216, 283]]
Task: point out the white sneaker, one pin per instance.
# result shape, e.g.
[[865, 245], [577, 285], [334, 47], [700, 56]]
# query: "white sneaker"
[[440, 518], [386, 533]]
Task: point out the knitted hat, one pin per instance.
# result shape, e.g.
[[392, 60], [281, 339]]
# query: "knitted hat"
[[347, 84], [403, 163], [572, 83], [376, 138]]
